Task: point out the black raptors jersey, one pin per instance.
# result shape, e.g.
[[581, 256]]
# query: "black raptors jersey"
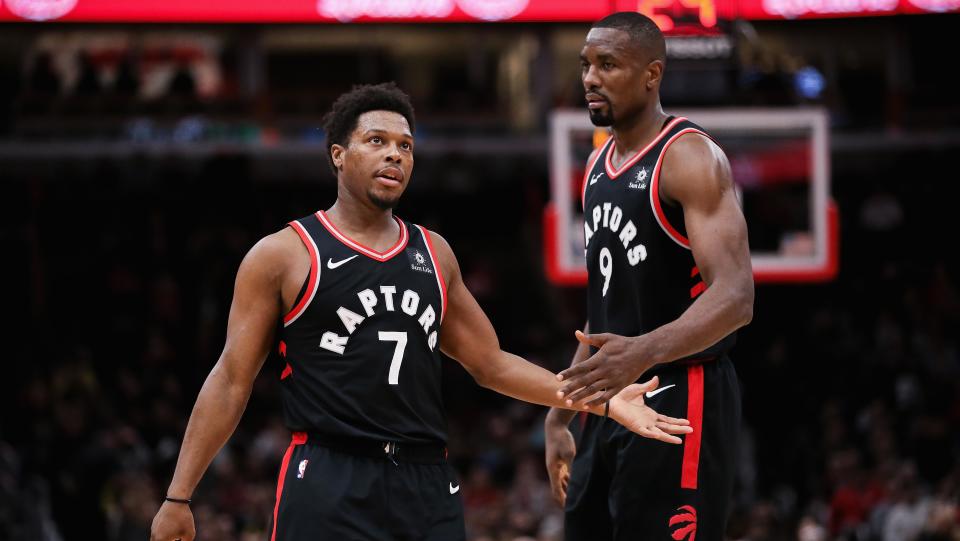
[[362, 341], [642, 274]]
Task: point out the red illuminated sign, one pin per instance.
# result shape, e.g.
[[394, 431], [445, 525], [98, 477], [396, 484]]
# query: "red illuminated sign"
[[663, 12], [304, 10], [671, 15], [801, 9]]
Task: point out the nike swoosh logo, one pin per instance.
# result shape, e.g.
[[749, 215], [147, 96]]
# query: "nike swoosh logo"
[[454, 489], [331, 265], [655, 392]]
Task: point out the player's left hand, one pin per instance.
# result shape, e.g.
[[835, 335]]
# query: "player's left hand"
[[619, 362], [628, 409]]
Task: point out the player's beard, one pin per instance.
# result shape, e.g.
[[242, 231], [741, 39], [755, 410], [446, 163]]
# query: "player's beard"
[[383, 202], [600, 118]]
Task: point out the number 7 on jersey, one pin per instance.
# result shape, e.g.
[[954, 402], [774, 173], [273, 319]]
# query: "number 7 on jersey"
[[393, 378]]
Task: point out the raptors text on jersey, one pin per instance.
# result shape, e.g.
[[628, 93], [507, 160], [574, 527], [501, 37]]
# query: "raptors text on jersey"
[[642, 274], [361, 343]]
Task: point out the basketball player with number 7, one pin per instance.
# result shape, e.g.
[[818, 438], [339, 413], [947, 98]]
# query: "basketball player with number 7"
[[367, 302], [669, 283]]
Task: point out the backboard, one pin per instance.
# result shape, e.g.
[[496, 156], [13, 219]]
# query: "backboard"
[[781, 164]]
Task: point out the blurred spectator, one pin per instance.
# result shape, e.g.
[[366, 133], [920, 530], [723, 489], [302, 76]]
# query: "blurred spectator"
[[88, 80], [907, 516], [127, 83], [183, 84], [43, 80], [810, 530]]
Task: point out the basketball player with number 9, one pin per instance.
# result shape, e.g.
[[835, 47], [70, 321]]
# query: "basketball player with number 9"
[[367, 302], [669, 283]]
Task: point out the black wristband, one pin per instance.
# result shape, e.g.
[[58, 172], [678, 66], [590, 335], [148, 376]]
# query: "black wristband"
[[178, 500]]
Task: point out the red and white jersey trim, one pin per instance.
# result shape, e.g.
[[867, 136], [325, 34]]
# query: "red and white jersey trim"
[[439, 274], [586, 174], [655, 203], [314, 278], [608, 163], [369, 252]]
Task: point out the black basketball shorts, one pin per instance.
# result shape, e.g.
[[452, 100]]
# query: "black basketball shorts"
[[325, 493], [624, 486]]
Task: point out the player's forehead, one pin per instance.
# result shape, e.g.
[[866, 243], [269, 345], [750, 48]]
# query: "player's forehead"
[[387, 122], [607, 42]]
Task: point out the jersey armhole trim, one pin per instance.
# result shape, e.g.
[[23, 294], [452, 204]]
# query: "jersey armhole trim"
[[655, 202], [313, 278], [436, 265], [586, 174], [303, 289]]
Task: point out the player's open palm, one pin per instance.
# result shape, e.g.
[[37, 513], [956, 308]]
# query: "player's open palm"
[[618, 362], [173, 521], [629, 409]]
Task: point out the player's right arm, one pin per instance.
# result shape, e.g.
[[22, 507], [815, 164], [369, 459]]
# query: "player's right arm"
[[469, 338], [254, 313], [560, 446]]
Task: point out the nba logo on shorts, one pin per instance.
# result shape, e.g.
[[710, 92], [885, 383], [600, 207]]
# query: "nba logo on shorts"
[[302, 468]]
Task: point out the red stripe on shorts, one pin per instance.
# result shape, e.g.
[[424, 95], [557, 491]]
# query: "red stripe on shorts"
[[299, 438], [691, 443]]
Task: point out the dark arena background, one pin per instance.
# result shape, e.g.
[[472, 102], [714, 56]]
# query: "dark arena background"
[[146, 145]]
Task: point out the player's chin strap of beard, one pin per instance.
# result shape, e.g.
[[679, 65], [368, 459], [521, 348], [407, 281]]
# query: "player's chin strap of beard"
[[606, 407]]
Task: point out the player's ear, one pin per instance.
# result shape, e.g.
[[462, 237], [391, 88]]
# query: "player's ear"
[[654, 73], [336, 153]]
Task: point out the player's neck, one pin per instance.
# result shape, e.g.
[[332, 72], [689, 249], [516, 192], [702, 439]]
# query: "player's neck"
[[365, 223], [636, 133]]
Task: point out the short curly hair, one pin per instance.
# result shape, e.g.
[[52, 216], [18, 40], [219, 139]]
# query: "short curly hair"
[[340, 122]]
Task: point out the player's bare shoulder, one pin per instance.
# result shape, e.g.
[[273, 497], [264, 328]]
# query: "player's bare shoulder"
[[694, 166], [284, 242], [444, 252], [277, 250], [278, 261]]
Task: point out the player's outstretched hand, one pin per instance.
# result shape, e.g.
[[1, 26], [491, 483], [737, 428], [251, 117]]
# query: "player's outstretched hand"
[[174, 521], [619, 361], [628, 409]]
